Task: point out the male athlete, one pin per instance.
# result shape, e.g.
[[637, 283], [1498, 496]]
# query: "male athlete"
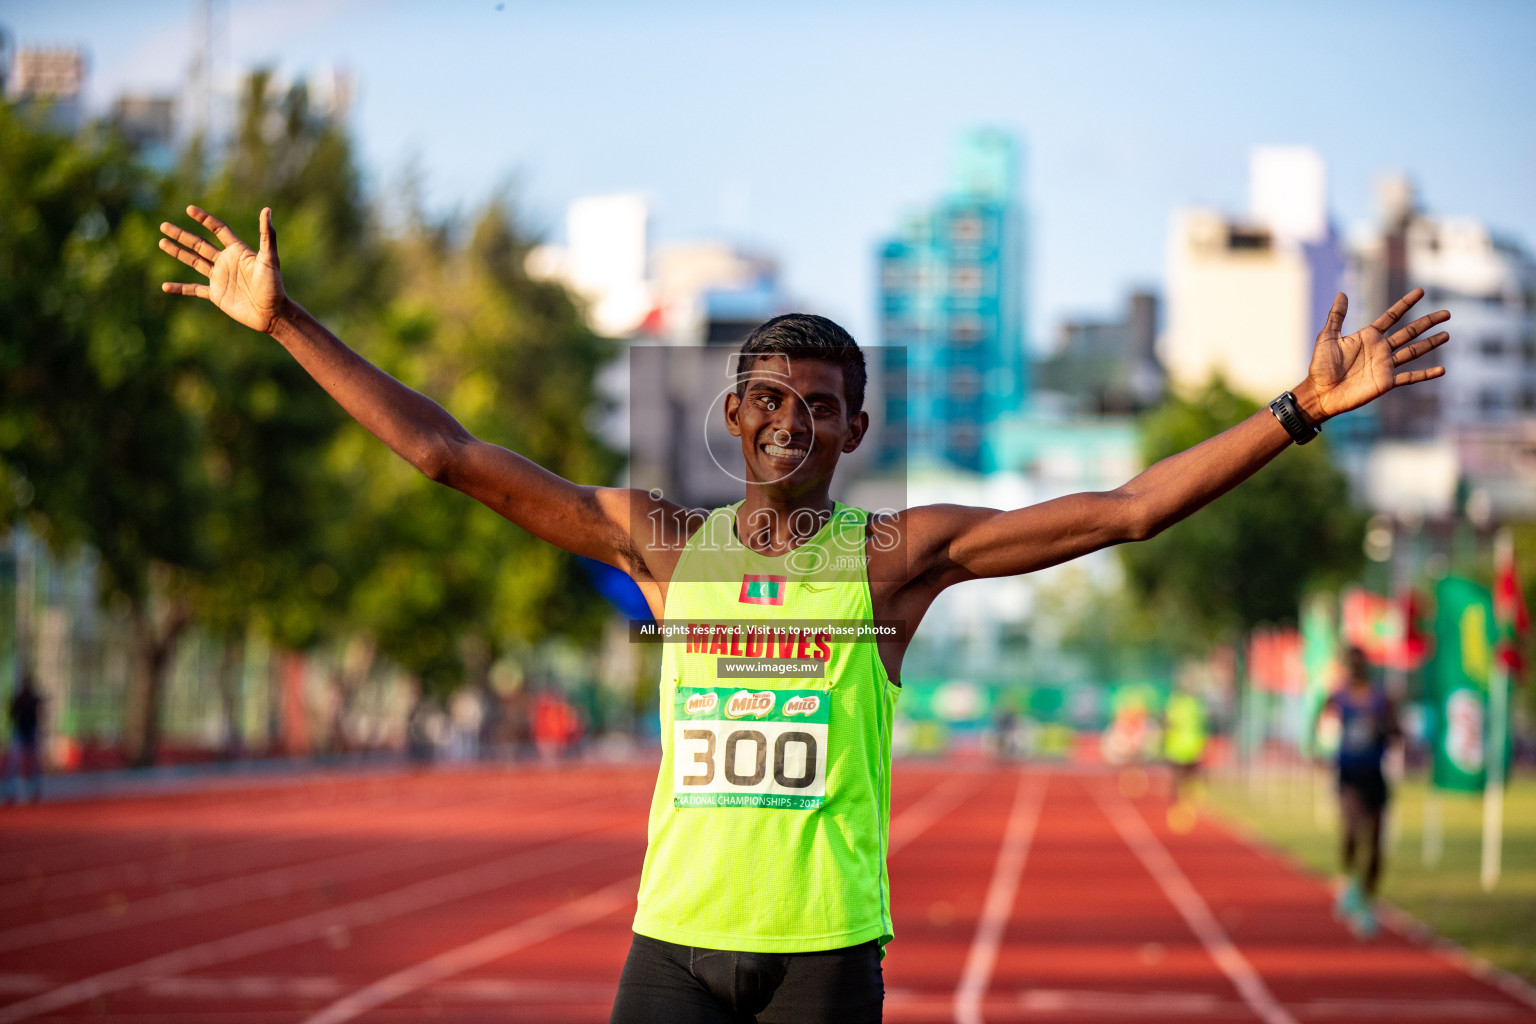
[[1368, 725], [764, 894]]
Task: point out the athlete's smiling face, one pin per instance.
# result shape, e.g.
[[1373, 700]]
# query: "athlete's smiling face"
[[794, 423]]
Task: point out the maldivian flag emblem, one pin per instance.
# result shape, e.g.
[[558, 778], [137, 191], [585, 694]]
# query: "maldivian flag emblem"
[[762, 589]]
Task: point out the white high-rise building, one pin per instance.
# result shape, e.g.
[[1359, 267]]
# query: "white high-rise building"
[[1247, 296], [1288, 192], [604, 260], [681, 293]]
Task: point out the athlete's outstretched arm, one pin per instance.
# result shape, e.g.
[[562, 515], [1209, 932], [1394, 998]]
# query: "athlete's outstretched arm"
[[247, 285], [953, 543]]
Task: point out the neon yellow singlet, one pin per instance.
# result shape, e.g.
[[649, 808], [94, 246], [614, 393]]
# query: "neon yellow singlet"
[[769, 825], [1184, 741]]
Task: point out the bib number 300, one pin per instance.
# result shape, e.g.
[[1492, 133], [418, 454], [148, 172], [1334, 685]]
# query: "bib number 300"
[[744, 749]]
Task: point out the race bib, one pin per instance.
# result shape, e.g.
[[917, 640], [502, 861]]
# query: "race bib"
[[746, 748]]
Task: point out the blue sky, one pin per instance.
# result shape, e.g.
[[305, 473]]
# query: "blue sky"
[[806, 129]]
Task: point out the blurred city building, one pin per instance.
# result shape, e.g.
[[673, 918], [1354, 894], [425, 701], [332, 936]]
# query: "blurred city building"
[[705, 292], [1002, 642], [148, 124], [1489, 285], [1064, 454], [1247, 295], [50, 82], [952, 308], [669, 302], [1469, 440], [1106, 367], [712, 293], [604, 260], [980, 426]]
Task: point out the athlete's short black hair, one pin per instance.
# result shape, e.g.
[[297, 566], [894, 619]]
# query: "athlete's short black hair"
[[810, 337]]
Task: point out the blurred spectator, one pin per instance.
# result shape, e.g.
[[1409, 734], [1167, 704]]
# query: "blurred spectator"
[[555, 725], [21, 757], [1005, 728], [420, 738]]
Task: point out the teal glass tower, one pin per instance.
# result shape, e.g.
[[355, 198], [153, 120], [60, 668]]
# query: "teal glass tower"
[[952, 310]]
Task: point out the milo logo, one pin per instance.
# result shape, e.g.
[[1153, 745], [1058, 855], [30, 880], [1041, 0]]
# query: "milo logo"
[[700, 703], [749, 705], [806, 705]]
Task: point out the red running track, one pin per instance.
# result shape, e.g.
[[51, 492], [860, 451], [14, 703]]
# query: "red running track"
[[467, 896]]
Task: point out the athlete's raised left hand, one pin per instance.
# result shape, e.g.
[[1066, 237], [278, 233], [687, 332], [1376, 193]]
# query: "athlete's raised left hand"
[[244, 284], [1350, 370]]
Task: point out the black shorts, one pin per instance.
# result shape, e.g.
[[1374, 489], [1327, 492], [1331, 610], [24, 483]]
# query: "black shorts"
[[1367, 783], [663, 981]]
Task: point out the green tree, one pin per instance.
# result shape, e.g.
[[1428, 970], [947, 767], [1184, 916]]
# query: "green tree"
[[220, 485], [97, 437], [445, 584], [1247, 557], [265, 426]]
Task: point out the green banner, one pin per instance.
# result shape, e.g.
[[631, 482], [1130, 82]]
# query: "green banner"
[[1320, 657], [1459, 678]]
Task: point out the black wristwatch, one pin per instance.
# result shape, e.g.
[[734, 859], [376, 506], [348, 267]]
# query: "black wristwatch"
[[1288, 412]]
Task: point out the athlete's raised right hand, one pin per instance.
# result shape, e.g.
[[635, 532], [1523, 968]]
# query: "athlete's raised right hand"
[[244, 284]]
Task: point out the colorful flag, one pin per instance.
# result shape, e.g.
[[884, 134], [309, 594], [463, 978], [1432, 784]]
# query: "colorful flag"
[[1384, 629], [1320, 661], [1458, 684], [1371, 622], [1510, 620], [756, 589], [1415, 648], [1509, 612], [1274, 660]]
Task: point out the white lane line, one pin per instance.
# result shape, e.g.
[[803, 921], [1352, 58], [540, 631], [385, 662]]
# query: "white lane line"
[[416, 851], [998, 907], [506, 990], [257, 987], [1160, 865], [1167, 1004], [1121, 1004], [1458, 1010], [563, 918], [226, 892], [319, 987], [929, 808], [486, 877], [232, 857], [907, 826]]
